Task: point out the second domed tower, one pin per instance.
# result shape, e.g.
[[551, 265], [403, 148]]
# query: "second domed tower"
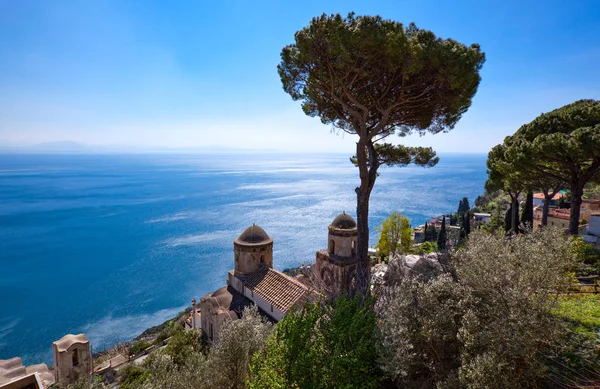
[[335, 268], [342, 236], [252, 249]]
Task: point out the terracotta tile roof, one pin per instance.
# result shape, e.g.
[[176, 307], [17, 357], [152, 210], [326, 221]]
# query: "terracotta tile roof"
[[540, 195], [276, 288]]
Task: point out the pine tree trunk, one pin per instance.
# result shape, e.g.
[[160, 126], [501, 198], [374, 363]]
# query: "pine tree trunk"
[[362, 247], [527, 218], [545, 211], [367, 175], [514, 217], [576, 200]]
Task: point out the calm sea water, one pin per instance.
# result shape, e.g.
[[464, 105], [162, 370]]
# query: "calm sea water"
[[110, 245]]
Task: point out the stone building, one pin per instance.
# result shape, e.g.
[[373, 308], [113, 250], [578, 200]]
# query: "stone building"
[[72, 358], [335, 268], [252, 281], [13, 374], [30, 381]]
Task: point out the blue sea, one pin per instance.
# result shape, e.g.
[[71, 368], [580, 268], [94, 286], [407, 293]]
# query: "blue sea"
[[110, 245]]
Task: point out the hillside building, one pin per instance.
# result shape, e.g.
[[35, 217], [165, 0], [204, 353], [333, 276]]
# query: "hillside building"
[[14, 375], [253, 281], [72, 358]]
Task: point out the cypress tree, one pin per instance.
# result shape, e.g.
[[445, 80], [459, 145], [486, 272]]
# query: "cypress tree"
[[463, 206], [441, 239], [527, 217], [425, 233], [467, 224]]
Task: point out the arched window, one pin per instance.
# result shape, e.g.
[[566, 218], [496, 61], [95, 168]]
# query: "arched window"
[[262, 259], [332, 247], [353, 250], [75, 357]]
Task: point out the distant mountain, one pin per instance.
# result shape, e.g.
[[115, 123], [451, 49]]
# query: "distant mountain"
[[61, 146], [70, 147]]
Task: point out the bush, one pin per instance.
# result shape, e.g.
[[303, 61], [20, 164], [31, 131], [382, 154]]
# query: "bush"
[[182, 345], [183, 364], [485, 325], [324, 345], [132, 377], [139, 347]]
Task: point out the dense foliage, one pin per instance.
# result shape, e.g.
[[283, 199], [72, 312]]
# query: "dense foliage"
[[185, 364], [324, 345], [487, 323]]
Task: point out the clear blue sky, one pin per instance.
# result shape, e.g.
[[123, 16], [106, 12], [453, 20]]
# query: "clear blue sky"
[[178, 74]]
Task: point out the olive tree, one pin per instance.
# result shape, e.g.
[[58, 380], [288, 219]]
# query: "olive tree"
[[224, 365], [485, 324], [371, 77]]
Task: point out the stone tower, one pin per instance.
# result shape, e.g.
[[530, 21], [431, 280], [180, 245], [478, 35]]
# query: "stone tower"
[[72, 359], [335, 268], [252, 249]]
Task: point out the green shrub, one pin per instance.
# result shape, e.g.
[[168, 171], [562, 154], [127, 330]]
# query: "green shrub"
[[139, 348], [132, 377]]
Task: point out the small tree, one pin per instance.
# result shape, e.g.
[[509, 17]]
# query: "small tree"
[[465, 226], [527, 217], [372, 78], [392, 234], [463, 206], [239, 341], [432, 234]]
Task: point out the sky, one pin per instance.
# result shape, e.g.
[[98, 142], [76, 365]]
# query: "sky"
[[177, 74]]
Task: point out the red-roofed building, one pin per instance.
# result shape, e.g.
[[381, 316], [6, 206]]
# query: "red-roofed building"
[[538, 199]]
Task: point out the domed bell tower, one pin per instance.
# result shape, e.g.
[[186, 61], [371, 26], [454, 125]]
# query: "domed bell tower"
[[252, 249], [335, 268]]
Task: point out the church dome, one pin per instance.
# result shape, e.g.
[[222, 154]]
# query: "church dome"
[[343, 222], [254, 235]]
